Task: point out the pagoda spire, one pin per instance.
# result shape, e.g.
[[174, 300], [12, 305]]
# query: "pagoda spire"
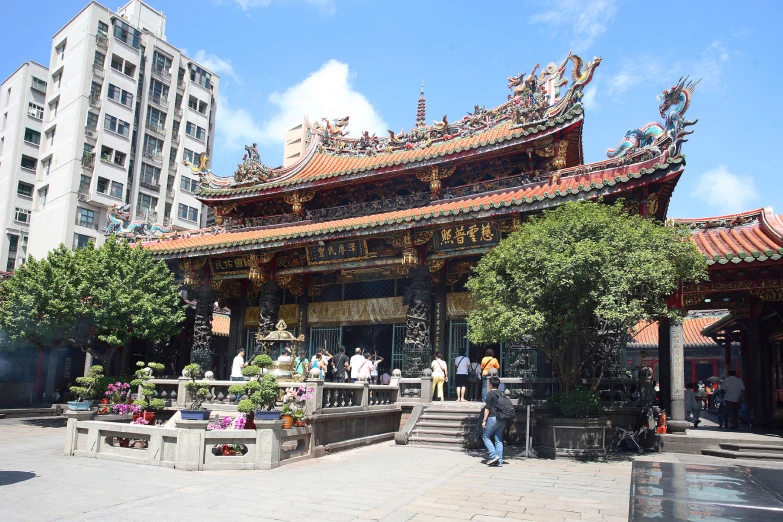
[[421, 112]]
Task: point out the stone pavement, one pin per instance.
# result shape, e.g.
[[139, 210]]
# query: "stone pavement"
[[381, 483]]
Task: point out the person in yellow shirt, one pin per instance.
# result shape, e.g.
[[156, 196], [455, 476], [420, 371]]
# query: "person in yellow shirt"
[[487, 363]]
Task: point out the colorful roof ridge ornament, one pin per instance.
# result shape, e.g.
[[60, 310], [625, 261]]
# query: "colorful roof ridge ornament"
[[121, 226], [421, 109]]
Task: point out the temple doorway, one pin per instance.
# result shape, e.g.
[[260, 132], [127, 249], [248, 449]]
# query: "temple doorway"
[[374, 338]]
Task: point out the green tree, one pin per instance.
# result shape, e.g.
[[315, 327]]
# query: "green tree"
[[110, 294], [574, 281]]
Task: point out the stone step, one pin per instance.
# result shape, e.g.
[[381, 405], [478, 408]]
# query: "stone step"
[[446, 432], [751, 447], [742, 454], [437, 441], [444, 424], [448, 417], [435, 446]]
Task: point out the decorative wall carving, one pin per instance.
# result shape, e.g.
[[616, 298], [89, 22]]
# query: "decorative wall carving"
[[417, 347], [201, 350]]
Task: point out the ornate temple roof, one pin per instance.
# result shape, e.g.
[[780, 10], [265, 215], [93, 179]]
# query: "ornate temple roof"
[[645, 334], [220, 325], [581, 182], [749, 237]]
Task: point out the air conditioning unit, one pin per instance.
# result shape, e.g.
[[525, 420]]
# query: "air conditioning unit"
[[83, 197]]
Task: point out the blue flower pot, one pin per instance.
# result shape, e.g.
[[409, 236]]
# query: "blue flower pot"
[[267, 415], [79, 405], [195, 414]]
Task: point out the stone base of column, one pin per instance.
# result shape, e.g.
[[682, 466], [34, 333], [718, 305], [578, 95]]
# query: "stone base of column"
[[677, 426]]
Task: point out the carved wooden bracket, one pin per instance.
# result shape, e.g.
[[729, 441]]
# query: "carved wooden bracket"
[[560, 155], [296, 199], [434, 175], [420, 238]]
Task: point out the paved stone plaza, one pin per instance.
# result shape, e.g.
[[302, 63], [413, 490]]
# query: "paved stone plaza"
[[381, 482]]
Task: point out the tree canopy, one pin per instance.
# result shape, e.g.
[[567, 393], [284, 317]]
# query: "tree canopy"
[[575, 280], [110, 294]]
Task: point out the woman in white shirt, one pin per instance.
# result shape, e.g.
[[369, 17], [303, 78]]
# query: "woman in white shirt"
[[440, 374], [462, 364]]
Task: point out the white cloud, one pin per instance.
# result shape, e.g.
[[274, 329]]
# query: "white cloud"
[[328, 6], [709, 65], [235, 126], [325, 93], [589, 101], [216, 64], [635, 72], [583, 20], [725, 191]]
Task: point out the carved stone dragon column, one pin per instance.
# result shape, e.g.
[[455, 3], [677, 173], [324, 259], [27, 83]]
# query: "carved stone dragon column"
[[417, 348], [268, 307], [201, 351]]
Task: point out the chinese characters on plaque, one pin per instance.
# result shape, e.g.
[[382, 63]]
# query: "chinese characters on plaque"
[[342, 251], [466, 236], [229, 265]]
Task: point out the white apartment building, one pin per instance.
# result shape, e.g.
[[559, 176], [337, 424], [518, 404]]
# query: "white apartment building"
[[123, 109], [22, 102]]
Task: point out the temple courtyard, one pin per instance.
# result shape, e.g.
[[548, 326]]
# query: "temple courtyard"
[[381, 482]]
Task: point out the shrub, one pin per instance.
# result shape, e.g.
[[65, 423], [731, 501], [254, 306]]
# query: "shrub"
[[578, 402], [146, 401], [237, 389], [85, 388]]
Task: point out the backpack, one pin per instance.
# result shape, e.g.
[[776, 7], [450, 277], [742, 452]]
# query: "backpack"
[[504, 409], [474, 372]]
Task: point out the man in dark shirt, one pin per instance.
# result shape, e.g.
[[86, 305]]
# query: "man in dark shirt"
[[492, 427], [340, 362]]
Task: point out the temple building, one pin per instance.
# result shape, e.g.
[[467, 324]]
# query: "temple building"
[[368, 241]]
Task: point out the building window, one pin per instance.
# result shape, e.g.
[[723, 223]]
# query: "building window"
[[190, 156], [86, 217], [24, 189], [167, 211], [37, 83], [117, 126], [60, 51], [155, 117], [152, 145], [57, 79], [92, 121], [103, 185], [103, 28], [106, 153], [53, 108], [84, 184], [22, 215], [194, 131], [119, 158], [35, 111], [50, 137], [32, 137], [161, 62], [46, 166], [158, 91], [99, 60], [116, 190], [13, 244], [188, 184], [200, 76], [116, 62], [80, 241], [120, 95], [149, 174], [192, 103], [126, 34], [42, 195], [146, 205], [188, 213], [29, 163]]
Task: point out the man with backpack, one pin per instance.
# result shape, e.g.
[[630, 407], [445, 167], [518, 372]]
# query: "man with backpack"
[[474, 381], [497, 411]]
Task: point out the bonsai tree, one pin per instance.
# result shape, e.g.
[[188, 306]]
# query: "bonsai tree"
[[260, 363], [85, 388], [576, 280], [199, 391], [579, 402], [261, 395], [147, 400]]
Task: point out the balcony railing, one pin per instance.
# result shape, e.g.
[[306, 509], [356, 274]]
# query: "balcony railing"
[[150, 186], [83, 196], [90, 133], [86, 223], [175, 139], [159, 100], [154, 157], [38, 85], [162, 73], [157, 129], [166, 221], [181, 84], [101, 41], [97, 70], [88, 160], [370, 207], [169, 193], [173, 165], [95, 101], [145, 214]]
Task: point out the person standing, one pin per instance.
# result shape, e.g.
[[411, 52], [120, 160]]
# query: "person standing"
[[301, 364], [316, 364], [356, 362], [461, 365], [692, 404], [376, 360], [474, 381], [734, 395], [365, 369], [327, 368], [440, 374], [493, 423], [487, 363], [237, 365], [340, 365]]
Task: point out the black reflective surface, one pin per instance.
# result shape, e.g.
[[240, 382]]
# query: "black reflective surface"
[[668, 491]]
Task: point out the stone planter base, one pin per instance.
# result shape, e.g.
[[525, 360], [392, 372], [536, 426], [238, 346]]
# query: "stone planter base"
[[580, 438]]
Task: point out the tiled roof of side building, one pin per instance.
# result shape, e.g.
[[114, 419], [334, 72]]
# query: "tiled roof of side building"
[[582, 186], [752, 236], [317, 166], [220, 324], [645, 334]]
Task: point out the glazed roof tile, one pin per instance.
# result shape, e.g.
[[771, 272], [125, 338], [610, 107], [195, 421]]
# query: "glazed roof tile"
[[748, 237], [584, 185], [317, 166], [220, 325], [645, 333]]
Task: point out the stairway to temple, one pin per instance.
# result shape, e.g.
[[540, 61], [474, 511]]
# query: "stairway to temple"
[[448, 425], [742, 450]]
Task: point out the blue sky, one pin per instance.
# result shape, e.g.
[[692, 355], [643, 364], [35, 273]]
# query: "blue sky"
[[282, 59]]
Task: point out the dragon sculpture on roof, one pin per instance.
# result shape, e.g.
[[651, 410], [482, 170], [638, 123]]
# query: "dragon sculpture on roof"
[[655, 137], [121, 226], [250, 172], [533, 99]]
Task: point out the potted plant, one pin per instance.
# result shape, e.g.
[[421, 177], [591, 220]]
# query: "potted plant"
[[577, 408], [84, 389], [199, 392], [146, 401], [295, 406], [261, 398]]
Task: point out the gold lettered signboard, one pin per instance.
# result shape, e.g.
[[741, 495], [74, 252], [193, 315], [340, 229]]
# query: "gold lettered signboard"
[[229, 265], [332, 252], [466, 236]]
